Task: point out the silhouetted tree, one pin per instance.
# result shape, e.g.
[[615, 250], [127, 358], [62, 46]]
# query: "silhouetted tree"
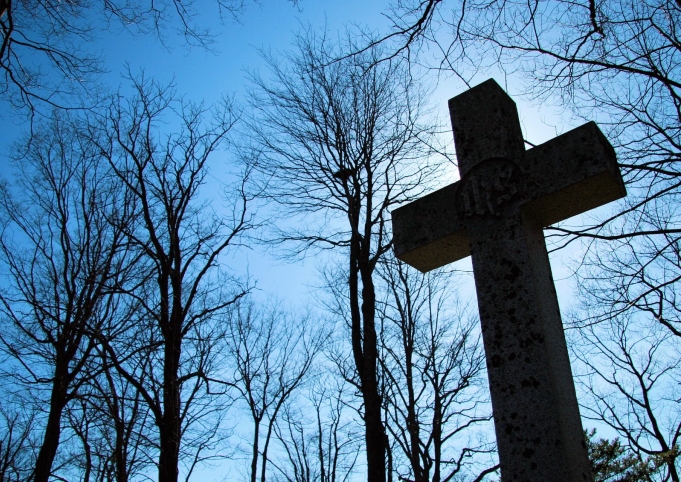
[[271, 353], [629, 380], [171, 357], [434, 381], [319, 437], [17, 458], [113, 425], [338, 144], [64, 264]]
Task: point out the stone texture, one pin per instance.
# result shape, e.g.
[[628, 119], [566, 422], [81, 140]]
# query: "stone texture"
[[496, 213]]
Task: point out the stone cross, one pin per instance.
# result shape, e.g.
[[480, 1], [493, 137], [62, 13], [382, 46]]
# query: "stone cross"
[[496, 214]]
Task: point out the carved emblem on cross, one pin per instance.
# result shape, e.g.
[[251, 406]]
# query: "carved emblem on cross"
[[488, 187]]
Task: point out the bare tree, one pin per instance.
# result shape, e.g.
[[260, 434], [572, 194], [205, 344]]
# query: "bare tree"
[[112, 424], [64, 263], [630, 379], [318, 436], [181, 241], [271, 353], [435, 385], [17, 458], [125, 425], [338, 145]]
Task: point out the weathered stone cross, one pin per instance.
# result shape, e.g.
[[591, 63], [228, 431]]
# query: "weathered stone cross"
[[496, 213]]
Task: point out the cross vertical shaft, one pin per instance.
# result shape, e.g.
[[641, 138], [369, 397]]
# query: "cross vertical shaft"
[[536, 416], [537, 423], [496, 213]]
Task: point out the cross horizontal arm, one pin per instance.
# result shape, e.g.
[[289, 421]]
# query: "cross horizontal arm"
[[571, 174], [429, 233]]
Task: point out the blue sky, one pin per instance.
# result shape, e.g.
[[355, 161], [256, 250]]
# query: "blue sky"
[[270, 25], [202, 75]]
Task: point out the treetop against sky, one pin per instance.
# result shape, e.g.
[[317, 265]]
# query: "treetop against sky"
[[202, 74], [221, 67]]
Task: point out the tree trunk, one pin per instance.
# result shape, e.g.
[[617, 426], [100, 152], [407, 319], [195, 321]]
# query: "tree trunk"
[[672, 471], [437, 436], [254, 458], [375, 432], [48, 449], [88, 458], [413, 428], [355, 314], [263, 470], [120, 454], [364, 346], [169, 430]]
